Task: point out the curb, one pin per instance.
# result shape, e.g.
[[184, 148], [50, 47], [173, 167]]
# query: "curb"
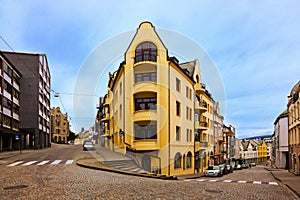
[[278, 179], [124, 172]]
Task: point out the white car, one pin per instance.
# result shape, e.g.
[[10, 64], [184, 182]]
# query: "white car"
[[213, 171], [88, 146]]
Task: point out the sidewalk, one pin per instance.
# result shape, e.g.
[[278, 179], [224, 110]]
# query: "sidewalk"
[[9, 154], [98, 161], [287, 178]]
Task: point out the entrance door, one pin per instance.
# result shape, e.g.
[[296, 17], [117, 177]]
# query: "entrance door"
[[146, 163]]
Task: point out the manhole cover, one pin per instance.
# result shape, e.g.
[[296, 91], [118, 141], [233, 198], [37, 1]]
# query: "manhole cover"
[[214, 191], [15, 187]]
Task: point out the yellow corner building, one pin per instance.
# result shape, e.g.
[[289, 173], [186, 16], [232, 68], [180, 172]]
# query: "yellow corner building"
[[157, 110]]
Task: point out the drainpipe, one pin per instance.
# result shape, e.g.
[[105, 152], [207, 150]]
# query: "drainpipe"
[[169, 167]]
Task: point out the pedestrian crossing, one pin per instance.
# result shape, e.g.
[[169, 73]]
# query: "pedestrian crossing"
[[39, 163], [231, 181]]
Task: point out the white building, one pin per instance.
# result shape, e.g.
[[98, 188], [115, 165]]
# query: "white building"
[[280, 141]]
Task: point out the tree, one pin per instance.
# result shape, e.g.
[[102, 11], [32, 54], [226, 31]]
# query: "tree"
[[71, 136]]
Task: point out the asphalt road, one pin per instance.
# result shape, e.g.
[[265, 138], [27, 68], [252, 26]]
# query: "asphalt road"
[[60, 179]]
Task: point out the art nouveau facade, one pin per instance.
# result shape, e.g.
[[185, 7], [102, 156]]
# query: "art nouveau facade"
[[157, 109], [60, 126], [293, 108]]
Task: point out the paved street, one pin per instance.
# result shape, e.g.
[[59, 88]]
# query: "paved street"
[[69, 181]]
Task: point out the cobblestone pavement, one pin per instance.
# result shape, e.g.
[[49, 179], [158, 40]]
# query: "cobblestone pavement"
[[73, 182]]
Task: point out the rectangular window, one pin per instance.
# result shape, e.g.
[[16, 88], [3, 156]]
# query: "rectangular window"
[[187, 94], [143, 77], [145, 103], [8, 87], [178, 133], [120, 111], [177, 108], [187, 112], [190, 94], [7, 69], [120, 88], [16, 94], [178, 85], [187, 135], [145, 130], [7, 103], [6, 120]]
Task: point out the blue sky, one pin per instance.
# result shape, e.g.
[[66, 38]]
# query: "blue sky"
[[255, 46]]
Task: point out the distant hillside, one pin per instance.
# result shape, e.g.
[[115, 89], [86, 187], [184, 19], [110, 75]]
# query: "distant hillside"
[[258, 137]]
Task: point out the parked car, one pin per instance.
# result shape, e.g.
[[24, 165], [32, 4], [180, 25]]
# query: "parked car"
[[88, 146], [213, 171], [244, 166], [238, 167], [223, 169], [229, 168]]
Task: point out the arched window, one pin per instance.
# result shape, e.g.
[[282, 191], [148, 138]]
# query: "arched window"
[[189, 160], [145, 51], [177, 161]]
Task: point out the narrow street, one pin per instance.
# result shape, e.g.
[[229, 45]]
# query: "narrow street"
[[60, 179]]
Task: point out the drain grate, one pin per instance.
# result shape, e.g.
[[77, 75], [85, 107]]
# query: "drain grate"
[[15, 187], [214, 191]]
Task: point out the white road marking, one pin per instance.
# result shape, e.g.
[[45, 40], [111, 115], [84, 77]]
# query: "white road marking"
[[227, 181], [69, 162], [29, 163], [15, 163], [242, 181], [212, 180], [273, 183], [200, 180], [43, 162], [256, 182], [55, 162]]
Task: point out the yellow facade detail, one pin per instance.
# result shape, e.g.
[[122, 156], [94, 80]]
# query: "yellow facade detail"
[[60, 126], [150, 109]]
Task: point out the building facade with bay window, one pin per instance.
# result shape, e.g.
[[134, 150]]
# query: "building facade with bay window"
[[157, 109]]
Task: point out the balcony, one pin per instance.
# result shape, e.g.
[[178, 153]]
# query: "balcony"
[[149, 144], [221, 140], [200, 145], [200, 88], [106, 133], [204, 144], [201, 106], [199, 125], [229, 133], [106, 103], [104, 117]]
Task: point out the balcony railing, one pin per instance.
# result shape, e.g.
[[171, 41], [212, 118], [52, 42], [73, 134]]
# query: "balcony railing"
[[203, 144], [200, 88], [104, 117], [201, 105], [200, 125]]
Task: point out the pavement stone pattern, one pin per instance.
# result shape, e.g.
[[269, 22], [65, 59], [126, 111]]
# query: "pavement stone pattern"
[[73, 182]]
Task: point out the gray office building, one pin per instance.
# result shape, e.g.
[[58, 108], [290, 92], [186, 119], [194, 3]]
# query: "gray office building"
[[34, 109]]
